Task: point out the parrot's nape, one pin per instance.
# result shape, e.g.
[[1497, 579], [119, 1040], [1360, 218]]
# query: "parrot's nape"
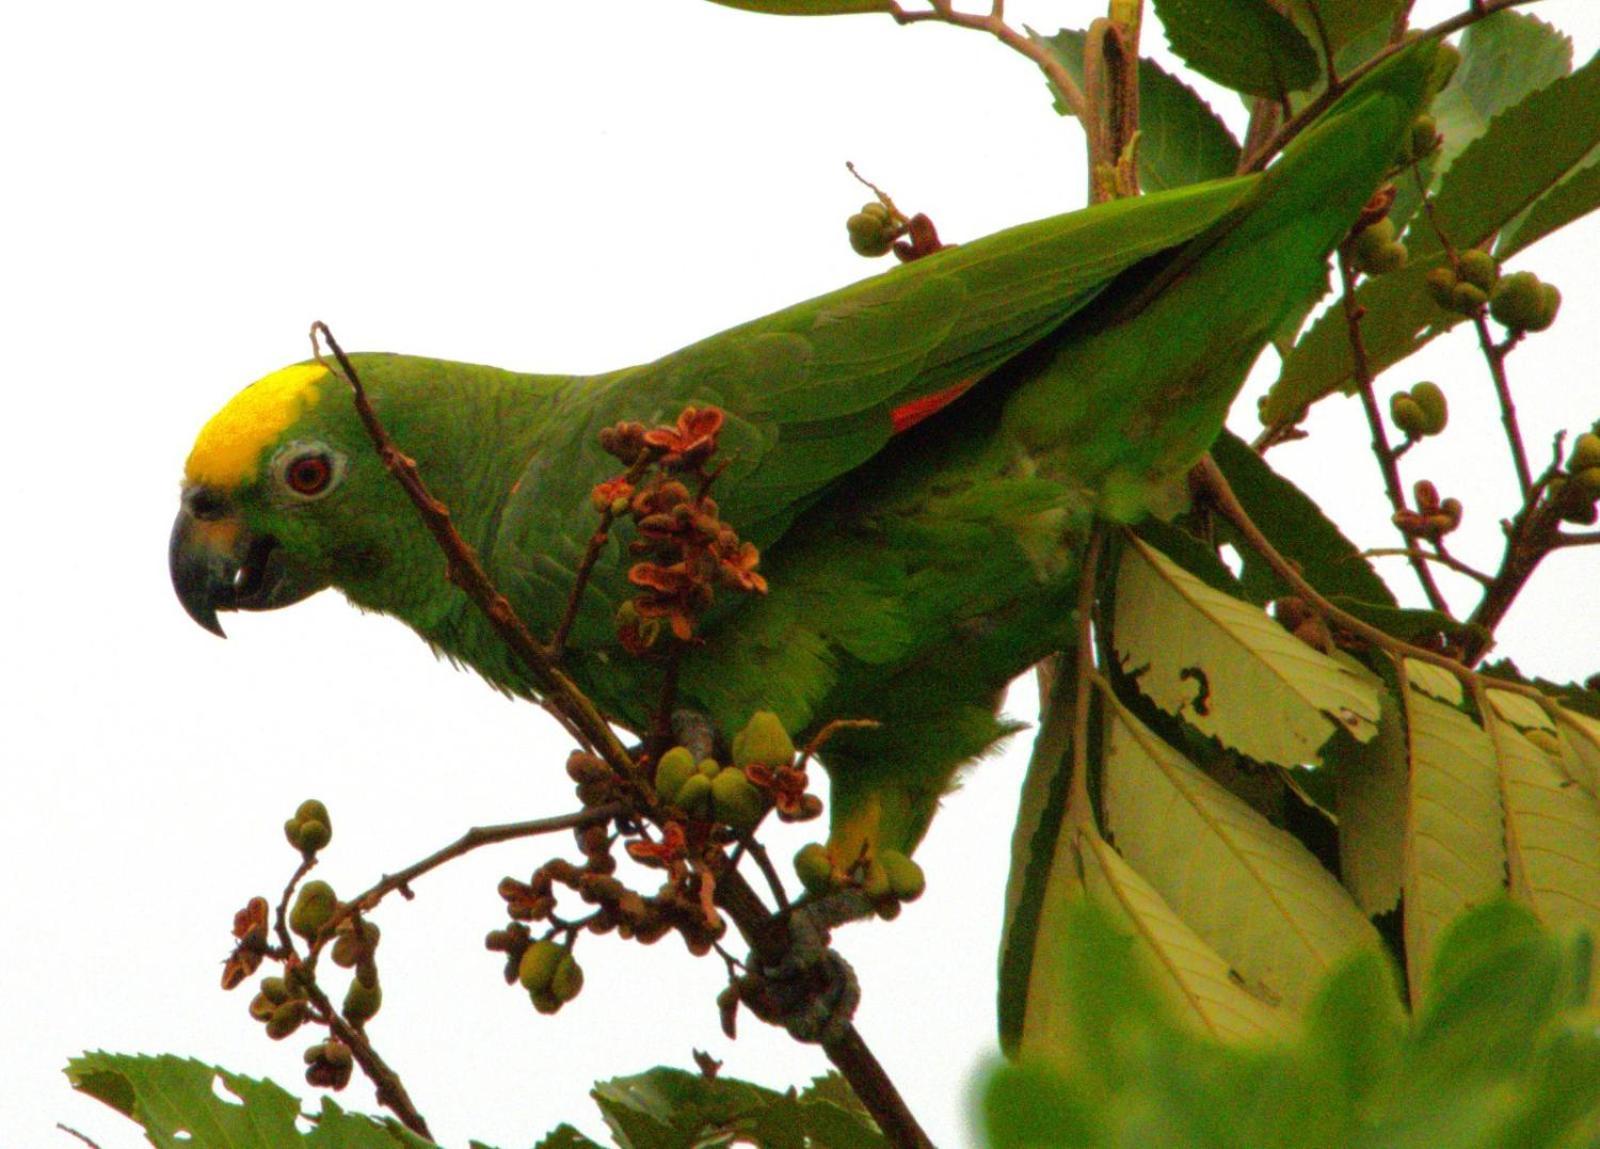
[[918, 457]]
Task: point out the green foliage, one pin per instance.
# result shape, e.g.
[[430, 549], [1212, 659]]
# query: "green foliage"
[[173, 1099], [1498, 1055], [1247, 45], [1181, 140], [1531, 170]]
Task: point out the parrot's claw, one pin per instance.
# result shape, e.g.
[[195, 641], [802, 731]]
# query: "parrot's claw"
[[812, 992]]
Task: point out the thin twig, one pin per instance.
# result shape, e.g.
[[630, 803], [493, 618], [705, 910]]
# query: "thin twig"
[[756, 850], [942, 11], [1440, 557], [391, 1091], [1494, 355], [1362, 371], [81, 1137], [1326, 98], [1209, 479], [1579, 539]]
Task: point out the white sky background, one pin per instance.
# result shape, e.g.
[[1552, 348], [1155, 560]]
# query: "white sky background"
[[567, 188]]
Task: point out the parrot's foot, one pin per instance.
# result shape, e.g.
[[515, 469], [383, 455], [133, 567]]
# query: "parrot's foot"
[[812, 992]]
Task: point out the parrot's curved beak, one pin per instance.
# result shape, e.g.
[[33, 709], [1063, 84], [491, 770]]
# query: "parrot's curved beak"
[[217, 563]]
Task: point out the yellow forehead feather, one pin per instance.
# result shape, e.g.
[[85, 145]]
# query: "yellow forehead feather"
[[229, 447]]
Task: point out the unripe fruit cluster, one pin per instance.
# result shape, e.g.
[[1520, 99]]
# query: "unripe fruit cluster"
[[328, 1064], [873, 230], [1465, 288], [280, 1005], [550, 974], [1376, 251], [1575, 492], [888, 878], [1421, 411], [310, 829], [1521, 301], [708, 791]]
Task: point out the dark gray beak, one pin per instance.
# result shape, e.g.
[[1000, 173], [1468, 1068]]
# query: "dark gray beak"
[[219, 564]]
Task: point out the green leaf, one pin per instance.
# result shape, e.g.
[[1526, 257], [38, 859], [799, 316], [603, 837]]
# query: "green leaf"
[[1526, 150], [1371, 780], [1455, 845], [1230, 670], [564, 1136], [808, 7], [1181, 140], [173, 1099], [1504, 59], [1344, 20], [1574, 197], [1250, 889], [1246, 45]]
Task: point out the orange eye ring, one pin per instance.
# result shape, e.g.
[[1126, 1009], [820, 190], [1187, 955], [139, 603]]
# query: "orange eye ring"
[[309, 474]]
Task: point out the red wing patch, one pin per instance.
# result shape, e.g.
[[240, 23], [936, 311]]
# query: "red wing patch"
[[908, 415]]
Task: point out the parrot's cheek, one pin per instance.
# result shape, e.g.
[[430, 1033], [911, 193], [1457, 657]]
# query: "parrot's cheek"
[[218, 564]]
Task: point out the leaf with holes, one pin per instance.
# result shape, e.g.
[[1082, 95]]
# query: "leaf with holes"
[[1228, 669], [177, 1103]]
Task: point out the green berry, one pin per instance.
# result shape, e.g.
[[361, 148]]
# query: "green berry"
[[1479, 268], [875, 880], [1587, 481], [694, 798], [312, 810], [735, 801], [906, 879], [1441, 283], [1374, 236], [362, 1002], [314, 905], [538, 964], [763, 741], [814, 867], [275, 990], [1584, 514], [1518, 303], [286, 1019], [1551, 304], [1424, 137], [544, 1001], [1467, 298], [567, 981], [1435, 408], [313, 836], [869, 233], [1585, 452], [263, 1007], [672, 772]]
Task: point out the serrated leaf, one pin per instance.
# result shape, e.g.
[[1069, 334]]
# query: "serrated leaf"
[[173, 1099], [1526, 151], [1246, 45], [1228, 669], [1503, 60], [1344, 20], [564, 1136], [1518, 709], [1435, 682], [808, 7], [1181, 140], [1552, 831], [1574, 197], [1580, 743], [1206, 990], [1371, 780], [1455, 840], [665, 1108], [1251, 890]]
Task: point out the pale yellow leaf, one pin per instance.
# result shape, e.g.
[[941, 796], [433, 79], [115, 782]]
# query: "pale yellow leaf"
[[1206, 989], [1228, 669], [1250, 889], [1435, 681], [1552, 833], [1580, 744], [1521, 711], [1371, 779], [1455, 841]]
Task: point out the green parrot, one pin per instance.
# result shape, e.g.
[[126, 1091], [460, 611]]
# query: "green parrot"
[[919, 458]]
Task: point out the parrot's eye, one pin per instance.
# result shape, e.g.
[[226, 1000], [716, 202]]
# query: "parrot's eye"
[[308, 471]]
